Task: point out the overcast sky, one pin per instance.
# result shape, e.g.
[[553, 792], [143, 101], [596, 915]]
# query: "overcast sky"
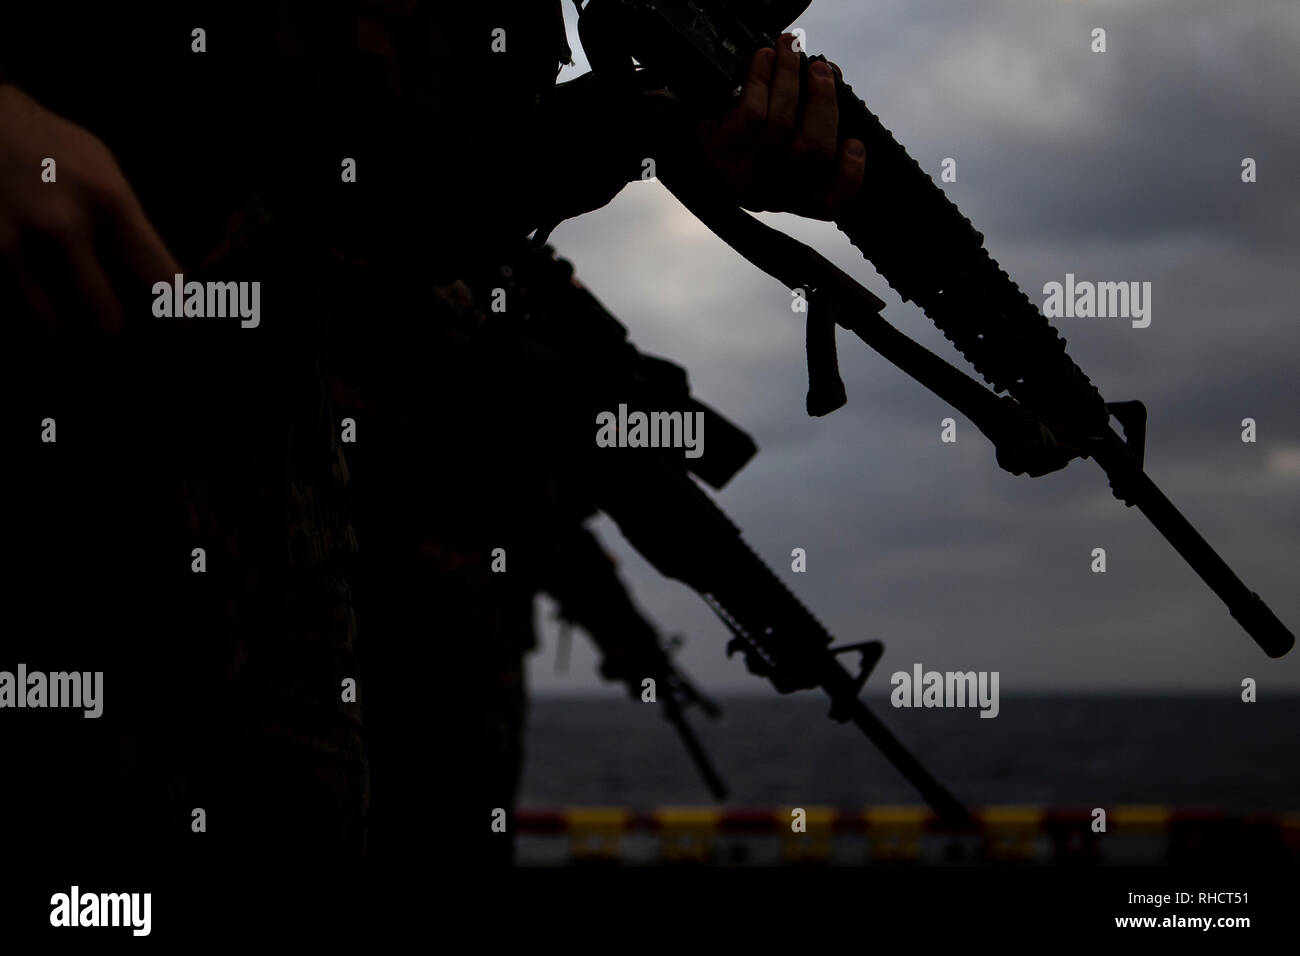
[[1123, 165]]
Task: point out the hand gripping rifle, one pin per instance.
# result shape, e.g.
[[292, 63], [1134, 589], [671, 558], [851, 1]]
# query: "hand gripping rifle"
[[699, 50], [665, 514]]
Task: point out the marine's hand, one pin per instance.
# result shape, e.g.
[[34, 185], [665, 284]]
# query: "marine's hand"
[[773, 152], [72, 248]]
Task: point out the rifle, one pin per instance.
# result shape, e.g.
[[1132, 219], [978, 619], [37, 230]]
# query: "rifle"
[[699, 50], [678, 528], [584, 581], [665, 514]]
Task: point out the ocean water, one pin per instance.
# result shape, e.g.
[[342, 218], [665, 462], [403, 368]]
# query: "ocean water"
[[1186, 752]]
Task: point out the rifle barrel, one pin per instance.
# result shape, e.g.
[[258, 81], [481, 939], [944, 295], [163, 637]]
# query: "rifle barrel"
[[712, 780], [948, 807], [1245, 605]]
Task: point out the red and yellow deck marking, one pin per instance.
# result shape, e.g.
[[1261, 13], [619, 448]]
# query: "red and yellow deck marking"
[[1011, 832], [595, 832], [894, 832], [687, 833]]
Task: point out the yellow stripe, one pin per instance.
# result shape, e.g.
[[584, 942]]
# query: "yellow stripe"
[[895, 816], [594, 832], [688, 817], [894, 832], [687, 833], [596, 818], [1141, 816], [814, 843], [1012, 816]]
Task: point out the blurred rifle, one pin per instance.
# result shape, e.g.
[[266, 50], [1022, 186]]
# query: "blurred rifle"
[[699, 50], [665, 514], [583, 579]]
